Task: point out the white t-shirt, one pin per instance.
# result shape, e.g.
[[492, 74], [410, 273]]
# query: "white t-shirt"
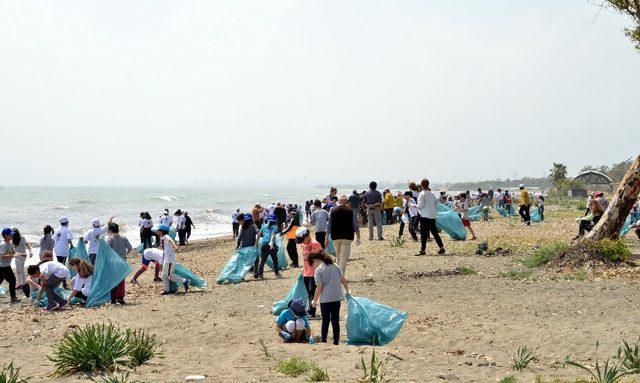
[[169, 253], [83, 284], [145, 223], [181, 222], [54, 268], [412, 210], [62, 238], [153, 255], [93, 236], [165, 219], [499, 196]]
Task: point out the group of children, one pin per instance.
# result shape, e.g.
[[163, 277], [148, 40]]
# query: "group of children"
[[51, 272]]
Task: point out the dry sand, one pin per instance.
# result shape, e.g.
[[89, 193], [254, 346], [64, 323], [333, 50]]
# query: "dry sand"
[[455, 323]]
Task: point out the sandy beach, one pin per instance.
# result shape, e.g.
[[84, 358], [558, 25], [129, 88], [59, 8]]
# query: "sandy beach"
[[460, 328]]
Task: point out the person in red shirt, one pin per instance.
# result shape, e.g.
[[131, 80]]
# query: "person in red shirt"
[[309, 246]]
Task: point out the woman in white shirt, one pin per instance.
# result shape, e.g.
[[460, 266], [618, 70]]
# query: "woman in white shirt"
[[83, 280], [428, 208]]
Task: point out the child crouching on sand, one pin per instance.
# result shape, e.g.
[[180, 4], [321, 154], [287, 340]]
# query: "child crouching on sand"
[[51, 274], [83, 279], [292, 324], [309, 246], [328, 278], [169, 248], [149, 255]]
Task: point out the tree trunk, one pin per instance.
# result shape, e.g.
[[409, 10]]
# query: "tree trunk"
[[621, 204]]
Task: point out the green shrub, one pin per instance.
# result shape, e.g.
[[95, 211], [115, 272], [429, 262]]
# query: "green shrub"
[[318, 375], [582, 204], [466, 270], [398, 242], [10, 374], [543, 254], [614, 250], [141, 347], [376, 371], [508, 379], [630, 356], [102, 348], [515, 275], [117, 378], [294, 366], [522, 358], [609, 372]]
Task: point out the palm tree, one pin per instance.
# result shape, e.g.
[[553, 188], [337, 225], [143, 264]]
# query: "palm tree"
[[558, 173]]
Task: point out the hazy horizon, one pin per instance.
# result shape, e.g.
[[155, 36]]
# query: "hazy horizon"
[[248, 93]]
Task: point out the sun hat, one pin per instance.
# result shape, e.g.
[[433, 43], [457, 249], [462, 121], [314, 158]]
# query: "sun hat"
[[298, 307], [7, 231], [64, 219], [162, 227], [302, 232]]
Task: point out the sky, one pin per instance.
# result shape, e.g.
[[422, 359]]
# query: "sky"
[[236, 92]]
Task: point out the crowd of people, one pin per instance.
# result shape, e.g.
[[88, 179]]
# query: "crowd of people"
[[56, 264]]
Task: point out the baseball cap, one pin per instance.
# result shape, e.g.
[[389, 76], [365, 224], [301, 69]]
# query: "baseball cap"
[[7, 231], [298, 307], [95, 222], [247, 217], [64, 219]]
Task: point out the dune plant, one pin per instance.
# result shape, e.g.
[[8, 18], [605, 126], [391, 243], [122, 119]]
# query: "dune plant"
[[141, 346], [515, 275], [522, 358], [398, 242], [264, 348], [376, 371], [11, 374], [508, 379], [117, 378], [317, 374], [543, 254], [630, 356], [294, 366], [609, 372]]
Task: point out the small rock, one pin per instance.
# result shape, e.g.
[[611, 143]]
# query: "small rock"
[[195, 378], [441, 375], [484, 364], [468, 363], [35, 320]]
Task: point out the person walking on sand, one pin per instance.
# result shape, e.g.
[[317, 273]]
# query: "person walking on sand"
[[410, 215], [146, 223], [463, 209], [320, 221], [181, 227], [373, 203], [525, 205], [309, 246], [354, 202], [121, 245], [343, 225], [235, 225], [428, 208], [189, 223], [63, 241], [541, 206], [248, 232], [387, 205], [507, 202], [21, 247], [267, 247], [290, 234], [7, 253]]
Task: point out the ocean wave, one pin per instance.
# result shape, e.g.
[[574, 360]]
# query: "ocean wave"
[[85, 201], [61, 207], [167, 198]]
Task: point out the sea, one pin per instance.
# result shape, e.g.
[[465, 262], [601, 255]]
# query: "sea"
[[31, 208]]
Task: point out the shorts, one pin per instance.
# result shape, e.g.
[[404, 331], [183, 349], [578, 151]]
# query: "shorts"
[[466, 223]]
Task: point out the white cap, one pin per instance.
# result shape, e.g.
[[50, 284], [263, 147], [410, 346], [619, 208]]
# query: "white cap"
[[95, 222], [521, 186], [301, 232], [64, 219]]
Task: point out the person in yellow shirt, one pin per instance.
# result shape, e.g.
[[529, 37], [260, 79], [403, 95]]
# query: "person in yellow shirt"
[[388, 204], [525, 205]]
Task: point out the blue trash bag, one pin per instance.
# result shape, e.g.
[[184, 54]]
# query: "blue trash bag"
[[331, 249], [110, 269], [297, 291], [626, 227], [239, 264], [2, 290], [172, 233], [535, 215], [372, 323], [140, 248], [80, 251], [502, 211], [449, 221], [282, 256], [181, 270], [64, 294]]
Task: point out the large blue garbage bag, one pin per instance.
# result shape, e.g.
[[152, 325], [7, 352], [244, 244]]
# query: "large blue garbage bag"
[[2, 290], [64, 294], [626, 227], [297, 291], [502, 211], [535, 215], [110, 269], [282, 256], [181, 270], [449, 221], [331, 249], [372, 323], [80, 251], [240, 264]]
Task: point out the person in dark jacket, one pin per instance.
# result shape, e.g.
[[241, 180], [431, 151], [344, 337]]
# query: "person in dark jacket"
[[248, 232], [281, 215], [189, 224], [343, 227]]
